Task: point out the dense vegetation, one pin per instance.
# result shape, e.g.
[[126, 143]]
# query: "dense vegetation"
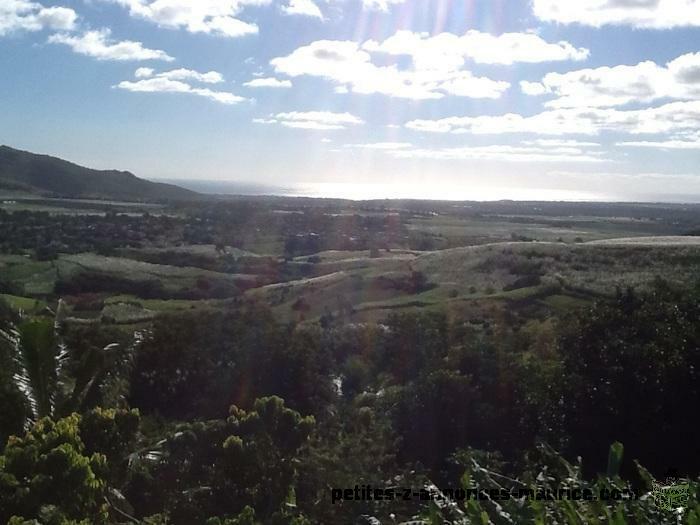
[[232, 417]]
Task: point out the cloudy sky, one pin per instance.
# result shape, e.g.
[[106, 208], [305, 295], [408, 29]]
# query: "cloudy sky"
[[440, 98]]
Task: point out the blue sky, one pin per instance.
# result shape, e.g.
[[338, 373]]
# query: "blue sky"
[[593, 98]]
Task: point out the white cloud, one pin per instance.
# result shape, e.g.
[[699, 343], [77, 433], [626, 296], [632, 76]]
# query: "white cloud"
[[447, 50], [351, 69], [686, 69], [57, 18], [619, 85], [668, 118], [217, 17], [302, 8], [144, 72], [175, 82], [561, 143], [658, 14], [384, 146], [543, 150], [671, 144], [23, 15], [505, 153], [380, 5], [532, 88], [97, 44], [465, 84], [268, 83], [212, 77], [315, 120], [436, 68]]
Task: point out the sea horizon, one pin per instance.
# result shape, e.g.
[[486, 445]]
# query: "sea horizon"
[[375, 191]]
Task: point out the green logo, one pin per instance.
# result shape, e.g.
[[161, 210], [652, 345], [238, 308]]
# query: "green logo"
[[671, 495]]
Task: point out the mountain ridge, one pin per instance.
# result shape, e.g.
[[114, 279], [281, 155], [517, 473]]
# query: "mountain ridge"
[[55, 177]]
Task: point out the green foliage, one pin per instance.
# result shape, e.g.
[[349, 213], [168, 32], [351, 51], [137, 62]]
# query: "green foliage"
[[216, 468], [359, 446], [198, 365], [611, 500], [13, 404], [615, 459], [631, 372], [49, 474], [57, 379], [62, 470], [437, 414], [113, 434], [413, 345], [39, 358], [412, 391], [49, 516], [246, 517]]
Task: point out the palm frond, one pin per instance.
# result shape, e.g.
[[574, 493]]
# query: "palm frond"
[[43, 372], [39, 359], [11, 339]]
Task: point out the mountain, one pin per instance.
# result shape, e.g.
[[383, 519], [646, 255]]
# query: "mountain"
[[54, 177]]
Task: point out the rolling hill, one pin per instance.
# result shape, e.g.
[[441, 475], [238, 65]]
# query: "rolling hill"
[[54, 177]]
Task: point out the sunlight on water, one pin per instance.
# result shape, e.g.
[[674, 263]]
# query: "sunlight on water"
[[368, 191]]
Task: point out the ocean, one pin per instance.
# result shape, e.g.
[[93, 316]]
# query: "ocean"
[[372, 191]]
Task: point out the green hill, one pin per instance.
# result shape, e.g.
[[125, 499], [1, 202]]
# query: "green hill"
[[54, 177]]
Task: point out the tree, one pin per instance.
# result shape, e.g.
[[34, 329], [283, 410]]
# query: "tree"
[[40, 357], [47, 475], [67, 469], [53, 382], [631, 372], [610, 500], [13, 404], [198, 365], [216, 468], [356, 446]]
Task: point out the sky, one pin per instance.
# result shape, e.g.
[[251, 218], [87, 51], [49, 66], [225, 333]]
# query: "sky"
[[588, 99]]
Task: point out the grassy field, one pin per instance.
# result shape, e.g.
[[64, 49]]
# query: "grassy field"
[[28, 277], [670, 240], [27, 202], [455, 231], [559, 275], [26, 304], [172, 278], [354, 285], [164, 305], [467, 258]]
